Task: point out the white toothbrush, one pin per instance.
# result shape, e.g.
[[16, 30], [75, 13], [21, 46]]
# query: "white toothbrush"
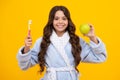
[[29, 23]]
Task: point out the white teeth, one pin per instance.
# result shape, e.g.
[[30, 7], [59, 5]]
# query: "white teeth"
[[60, 26]]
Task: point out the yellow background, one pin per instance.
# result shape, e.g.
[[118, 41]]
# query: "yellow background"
[[14, 15]]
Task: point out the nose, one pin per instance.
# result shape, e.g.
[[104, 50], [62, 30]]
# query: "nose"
[[60, 21]]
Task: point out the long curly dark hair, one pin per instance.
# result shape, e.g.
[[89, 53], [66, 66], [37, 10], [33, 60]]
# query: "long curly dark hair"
[[74, 39]]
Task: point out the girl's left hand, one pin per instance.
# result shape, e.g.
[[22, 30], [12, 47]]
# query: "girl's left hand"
[[91, 34]]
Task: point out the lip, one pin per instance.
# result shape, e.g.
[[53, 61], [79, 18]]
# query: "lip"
[[60, 26]]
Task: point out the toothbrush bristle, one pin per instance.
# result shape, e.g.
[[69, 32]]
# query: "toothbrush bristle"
[[30, 22]]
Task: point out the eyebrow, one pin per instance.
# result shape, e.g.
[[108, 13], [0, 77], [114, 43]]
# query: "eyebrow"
[[62, 16]]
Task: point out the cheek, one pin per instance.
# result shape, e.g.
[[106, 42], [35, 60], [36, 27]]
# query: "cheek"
[[54, 22], [66, 23]]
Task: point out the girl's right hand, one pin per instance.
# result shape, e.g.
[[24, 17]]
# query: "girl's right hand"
[[28, 42]]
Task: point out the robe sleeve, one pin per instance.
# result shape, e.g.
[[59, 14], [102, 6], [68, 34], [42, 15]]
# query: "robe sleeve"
[[30, 58], [93, 53]]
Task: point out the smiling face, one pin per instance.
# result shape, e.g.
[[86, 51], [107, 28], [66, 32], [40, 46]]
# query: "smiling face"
[[60, 22]]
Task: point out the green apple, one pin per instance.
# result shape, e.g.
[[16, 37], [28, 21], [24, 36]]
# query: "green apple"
[[84, 28]]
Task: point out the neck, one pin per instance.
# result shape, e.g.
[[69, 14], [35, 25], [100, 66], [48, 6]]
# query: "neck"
[[60, 33]]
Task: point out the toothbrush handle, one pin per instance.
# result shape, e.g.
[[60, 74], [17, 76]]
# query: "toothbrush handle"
[[29, 33]]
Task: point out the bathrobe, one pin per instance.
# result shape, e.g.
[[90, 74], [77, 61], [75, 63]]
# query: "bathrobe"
[[61, 66]]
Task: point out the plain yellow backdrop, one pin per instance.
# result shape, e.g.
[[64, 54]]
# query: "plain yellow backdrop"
[[14, 15]]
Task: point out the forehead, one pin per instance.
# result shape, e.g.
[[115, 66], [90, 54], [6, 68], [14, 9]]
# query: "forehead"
[[59, 13]]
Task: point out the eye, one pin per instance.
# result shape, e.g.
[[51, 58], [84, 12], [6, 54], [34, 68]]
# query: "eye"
[[64, 18], [56, 18]]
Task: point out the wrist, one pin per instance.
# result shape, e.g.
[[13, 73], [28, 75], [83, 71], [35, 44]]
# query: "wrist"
[[26, 49], [94, 39]]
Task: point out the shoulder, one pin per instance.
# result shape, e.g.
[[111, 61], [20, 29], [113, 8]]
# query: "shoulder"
[[39, 40], [81, 40]]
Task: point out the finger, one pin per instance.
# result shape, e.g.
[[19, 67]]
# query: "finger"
[[28, 40], [91, 26], [28, 44], [85, 34], [28, 37]]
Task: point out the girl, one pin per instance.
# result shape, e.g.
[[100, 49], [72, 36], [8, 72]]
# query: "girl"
[[60, 50]]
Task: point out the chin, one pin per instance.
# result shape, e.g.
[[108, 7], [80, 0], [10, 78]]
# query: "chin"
[[61, 30]]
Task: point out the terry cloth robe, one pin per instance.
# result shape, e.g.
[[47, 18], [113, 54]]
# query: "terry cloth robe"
[[57, 67]]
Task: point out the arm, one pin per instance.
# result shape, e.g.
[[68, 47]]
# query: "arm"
[[29, 58], [93, 52]]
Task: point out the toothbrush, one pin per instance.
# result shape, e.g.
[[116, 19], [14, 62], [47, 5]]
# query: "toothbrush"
[[29, 23]]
